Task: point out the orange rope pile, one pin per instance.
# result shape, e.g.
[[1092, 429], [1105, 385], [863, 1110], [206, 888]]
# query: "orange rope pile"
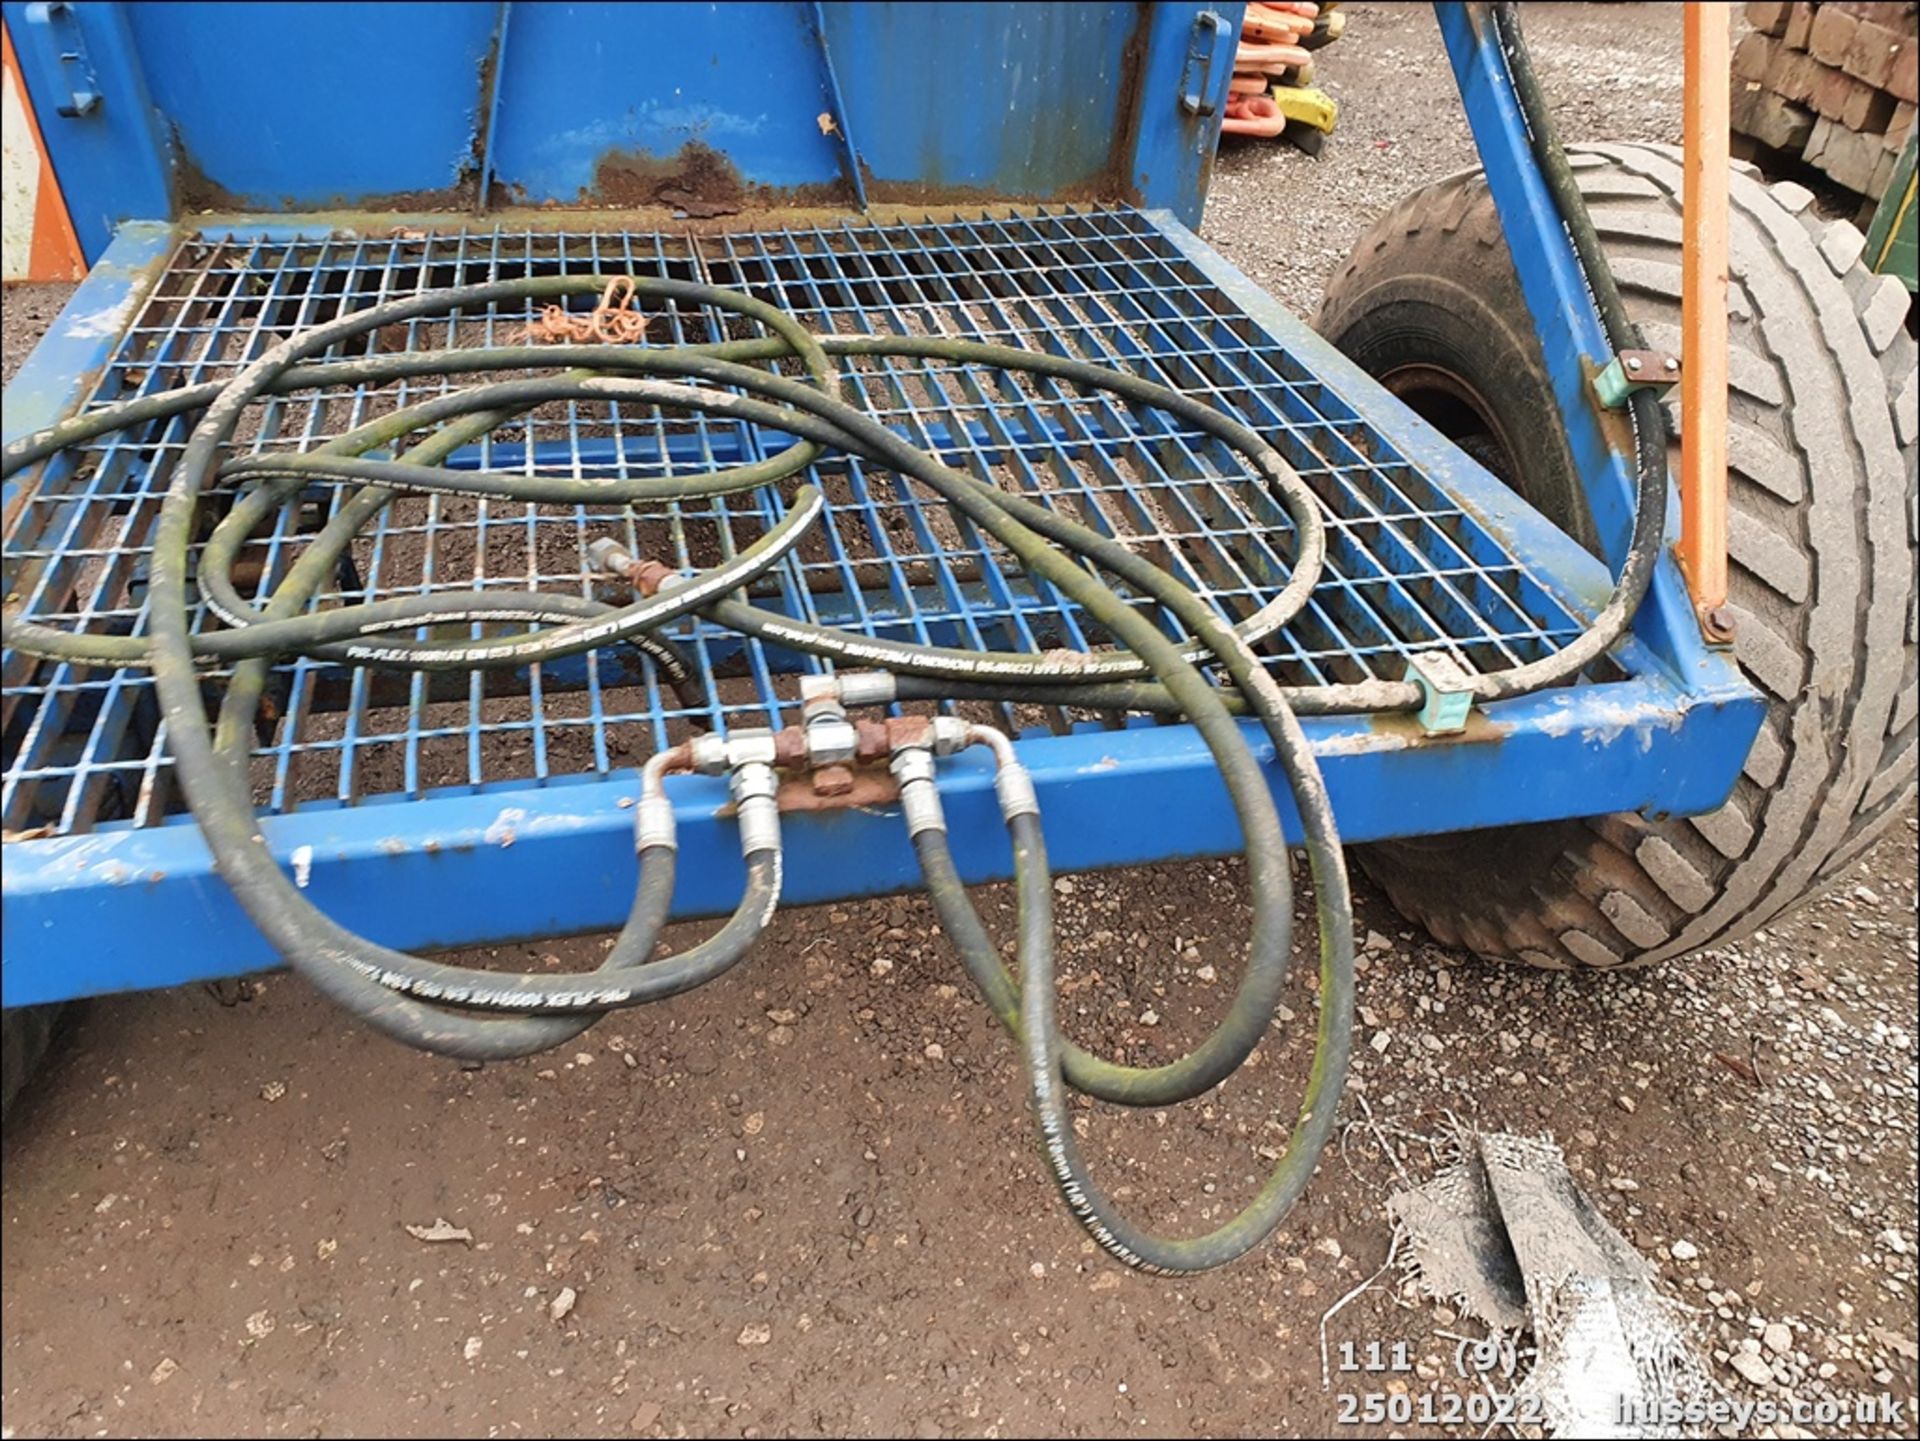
[[614, 321]]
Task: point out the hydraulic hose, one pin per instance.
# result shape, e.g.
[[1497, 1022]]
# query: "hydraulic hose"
[[1164, 636], [1643, 407], [1028, 1012], [962, 674], [457, 1010]]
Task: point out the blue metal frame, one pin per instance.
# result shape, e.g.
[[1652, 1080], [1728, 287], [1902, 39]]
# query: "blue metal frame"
[[1572, 340], [552, 851], [111, 162], [557, 859], [1644, 742]]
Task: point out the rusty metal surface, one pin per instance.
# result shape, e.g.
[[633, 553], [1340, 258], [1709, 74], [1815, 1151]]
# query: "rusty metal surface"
[[703, 111]]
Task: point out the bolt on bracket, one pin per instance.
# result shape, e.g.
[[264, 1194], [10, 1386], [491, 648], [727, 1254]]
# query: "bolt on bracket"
[[1631, 370]]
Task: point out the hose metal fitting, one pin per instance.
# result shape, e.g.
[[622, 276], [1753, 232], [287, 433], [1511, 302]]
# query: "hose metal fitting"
[[819, 692], [995, 741], [714, 755], [609, 555], [755, 788], [1014, 785], [949, 735], [653, 822], [912, 769], [865, 687], [752, 747], [831, 741], [709, 754], [1012, 782], [653, 825], [831, 738]]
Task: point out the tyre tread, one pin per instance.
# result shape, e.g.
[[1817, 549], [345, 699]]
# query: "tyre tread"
[[1822, 465]]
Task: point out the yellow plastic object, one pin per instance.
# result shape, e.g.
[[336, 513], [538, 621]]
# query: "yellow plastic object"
[[1303, 105]]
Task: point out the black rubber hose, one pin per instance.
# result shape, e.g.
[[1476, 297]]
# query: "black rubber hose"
[[1265, 975], [812, 413], [1193, 1074], [1643, 406], [1000, 675], [1319, 1105], [265, 890], [455, 985], [1561, 184], [469, 1037], [342, 965]]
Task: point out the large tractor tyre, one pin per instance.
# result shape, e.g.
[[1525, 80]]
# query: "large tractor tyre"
[[1822, 546], [24, 1034]]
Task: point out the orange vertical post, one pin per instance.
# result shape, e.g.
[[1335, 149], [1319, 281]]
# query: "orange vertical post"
[[1703, 306]]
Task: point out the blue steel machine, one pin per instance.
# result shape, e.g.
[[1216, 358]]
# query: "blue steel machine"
[[1020, 174]]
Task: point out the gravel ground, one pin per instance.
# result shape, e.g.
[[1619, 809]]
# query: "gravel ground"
[[30, 310], [1289, 220], [805, 1200]]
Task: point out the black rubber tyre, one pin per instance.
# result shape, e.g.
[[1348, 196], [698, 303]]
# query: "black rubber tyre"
[[1823, 526], [24, 1034]]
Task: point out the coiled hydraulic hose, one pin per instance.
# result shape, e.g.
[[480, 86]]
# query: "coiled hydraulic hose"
[[475, 1014], [460, 1011]]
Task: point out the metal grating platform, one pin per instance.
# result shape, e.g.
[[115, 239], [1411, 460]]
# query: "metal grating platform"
[[1409, 569]]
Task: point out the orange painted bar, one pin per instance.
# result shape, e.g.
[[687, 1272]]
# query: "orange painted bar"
[[1703, 303]]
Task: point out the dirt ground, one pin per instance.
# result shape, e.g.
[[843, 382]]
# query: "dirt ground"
[[805, 1200]]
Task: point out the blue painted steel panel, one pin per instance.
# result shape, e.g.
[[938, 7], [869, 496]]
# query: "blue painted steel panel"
[[302, 106], [559, 858], [1173, 149], [1006, 98], [836, 111], [710, 107], [599, 102]]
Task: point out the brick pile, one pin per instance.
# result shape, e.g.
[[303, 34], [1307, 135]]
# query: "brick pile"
[[1832, 84]]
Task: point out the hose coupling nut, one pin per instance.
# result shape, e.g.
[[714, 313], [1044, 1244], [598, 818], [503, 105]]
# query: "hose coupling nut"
[[714, 755], [950, 735], [831, 740], [866, 687], [919, 797], [755, 790], [818, 692], [648, 577], [1013, 783], [609, 555], [709, 752], [752, 747], [653, 824]]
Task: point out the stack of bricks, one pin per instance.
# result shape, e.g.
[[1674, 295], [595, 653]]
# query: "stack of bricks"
[[1832, 84]]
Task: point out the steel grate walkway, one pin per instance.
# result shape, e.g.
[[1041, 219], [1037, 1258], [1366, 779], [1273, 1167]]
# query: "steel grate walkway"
[[1408, 568]]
